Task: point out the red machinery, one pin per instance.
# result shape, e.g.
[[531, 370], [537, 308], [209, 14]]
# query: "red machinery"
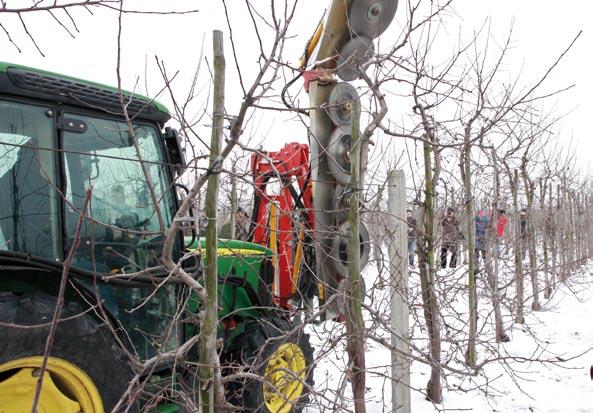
[[311, 248], [283, 217]]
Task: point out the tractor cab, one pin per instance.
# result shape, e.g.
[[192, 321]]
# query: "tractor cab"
[[51, 152], [60, 136]]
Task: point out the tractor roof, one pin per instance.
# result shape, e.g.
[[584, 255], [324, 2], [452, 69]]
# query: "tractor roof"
[[35, 83]]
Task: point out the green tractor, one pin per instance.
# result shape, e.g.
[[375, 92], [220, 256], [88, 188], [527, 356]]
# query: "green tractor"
[[59, 136]]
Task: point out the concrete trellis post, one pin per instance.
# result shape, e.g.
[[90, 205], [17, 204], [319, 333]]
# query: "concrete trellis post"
[[398, 267]]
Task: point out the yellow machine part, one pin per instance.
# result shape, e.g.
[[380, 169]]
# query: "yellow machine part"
[[273, 245], [66, 388], [298, 257], [311, 45], [285, 377]]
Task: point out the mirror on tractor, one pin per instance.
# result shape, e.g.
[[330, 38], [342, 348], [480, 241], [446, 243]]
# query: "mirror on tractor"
[[173, 142], [188, 223]]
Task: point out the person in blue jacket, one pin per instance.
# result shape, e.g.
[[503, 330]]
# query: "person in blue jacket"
[[482, 225]]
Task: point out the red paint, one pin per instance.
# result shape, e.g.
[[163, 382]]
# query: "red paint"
[[310, 76], [501, 223], [289, 166]]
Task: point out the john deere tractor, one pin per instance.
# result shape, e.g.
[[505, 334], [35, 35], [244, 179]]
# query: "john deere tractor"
[[59, 136]]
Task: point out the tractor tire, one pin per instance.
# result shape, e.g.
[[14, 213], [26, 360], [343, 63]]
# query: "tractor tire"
[[266, 343], [80, 340]]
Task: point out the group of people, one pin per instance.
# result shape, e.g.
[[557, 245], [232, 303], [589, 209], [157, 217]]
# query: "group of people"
[[451, 235]]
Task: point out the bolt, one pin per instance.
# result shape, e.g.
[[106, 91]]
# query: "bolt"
[[375, 10]]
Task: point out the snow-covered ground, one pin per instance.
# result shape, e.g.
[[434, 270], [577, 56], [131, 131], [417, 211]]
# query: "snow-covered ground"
[[560, 336]]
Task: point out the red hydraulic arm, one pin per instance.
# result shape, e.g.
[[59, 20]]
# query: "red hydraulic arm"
[[283, 213]]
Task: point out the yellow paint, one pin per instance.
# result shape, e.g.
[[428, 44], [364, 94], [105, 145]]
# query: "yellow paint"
[[66, 388], [238, 251], [284, 378], [274, 247], [311, 45], [222, 252], [336, 34], [321, 290], [298, 256]]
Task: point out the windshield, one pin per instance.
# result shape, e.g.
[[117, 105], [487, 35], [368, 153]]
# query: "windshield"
[[123, 234], [28, 207]]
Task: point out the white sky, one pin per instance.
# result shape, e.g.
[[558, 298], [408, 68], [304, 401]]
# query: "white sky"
[[542, 29]]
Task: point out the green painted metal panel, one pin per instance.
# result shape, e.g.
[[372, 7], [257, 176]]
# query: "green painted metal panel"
[[244, 273], [164, 112]]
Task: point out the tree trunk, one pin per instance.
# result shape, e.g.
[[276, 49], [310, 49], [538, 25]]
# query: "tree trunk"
[[571, 230], [377, 233], [553, 238], [529, 192], [470, 355], [233, 217], [430, 302], [354, 320], [494, 251], [545, 239], [517, 249], [562, 238], [208, 356]]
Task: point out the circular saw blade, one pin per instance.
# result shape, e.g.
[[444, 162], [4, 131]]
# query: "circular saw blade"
[[339, 104], [338, 153], [354, 53], [371, 17], [340, 248]]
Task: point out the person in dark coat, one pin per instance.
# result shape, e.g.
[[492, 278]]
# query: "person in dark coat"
[[450, 239], [242, 226]]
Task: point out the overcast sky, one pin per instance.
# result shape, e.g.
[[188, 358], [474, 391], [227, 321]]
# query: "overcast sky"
[[542, 30]]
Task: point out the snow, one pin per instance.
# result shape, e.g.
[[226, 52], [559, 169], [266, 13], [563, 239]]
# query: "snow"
[[544, 368]]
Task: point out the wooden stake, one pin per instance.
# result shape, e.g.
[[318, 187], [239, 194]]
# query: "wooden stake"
[[208, 330]]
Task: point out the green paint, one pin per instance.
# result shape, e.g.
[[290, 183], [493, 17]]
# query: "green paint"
[[168, 408], [238, 261], [4, 66]]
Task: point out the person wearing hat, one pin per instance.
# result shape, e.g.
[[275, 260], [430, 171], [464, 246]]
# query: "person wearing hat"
[[450, 239], [242, 226]]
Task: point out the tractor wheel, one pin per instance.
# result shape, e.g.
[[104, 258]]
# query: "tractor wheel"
[[85, 372], [283, 361]]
